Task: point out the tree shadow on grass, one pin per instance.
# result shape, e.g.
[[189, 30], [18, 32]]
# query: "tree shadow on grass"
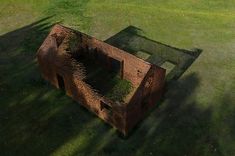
[[176, 128], [35, 119]]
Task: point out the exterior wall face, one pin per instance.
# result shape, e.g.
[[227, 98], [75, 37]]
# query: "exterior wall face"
[[146, 96], [56, 67]]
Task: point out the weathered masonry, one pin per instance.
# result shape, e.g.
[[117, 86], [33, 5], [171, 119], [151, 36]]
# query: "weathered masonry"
[[115, 85]]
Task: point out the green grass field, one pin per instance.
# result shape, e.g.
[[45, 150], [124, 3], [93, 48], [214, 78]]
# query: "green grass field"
[[196, 118]]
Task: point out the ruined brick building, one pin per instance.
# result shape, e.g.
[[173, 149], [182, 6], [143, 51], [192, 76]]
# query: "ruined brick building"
[[115, 85]]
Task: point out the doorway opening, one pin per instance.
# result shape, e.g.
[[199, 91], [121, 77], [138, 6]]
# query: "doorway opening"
[[60, 82]]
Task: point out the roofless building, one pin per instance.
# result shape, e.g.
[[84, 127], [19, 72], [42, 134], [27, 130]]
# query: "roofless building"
[[115, 85]]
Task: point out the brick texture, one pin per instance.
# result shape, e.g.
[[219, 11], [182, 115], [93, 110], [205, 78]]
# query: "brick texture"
[[57, 64]]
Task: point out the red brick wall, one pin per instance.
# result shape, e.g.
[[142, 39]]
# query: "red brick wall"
[[146, 96], [53, 61], [132, 64]]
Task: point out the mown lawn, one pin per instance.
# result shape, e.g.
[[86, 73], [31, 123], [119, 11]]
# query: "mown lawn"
[[197, 116]]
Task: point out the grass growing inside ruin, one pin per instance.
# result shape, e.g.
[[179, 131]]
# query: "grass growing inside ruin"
[[121, 89], [110, 85], [196, 117]]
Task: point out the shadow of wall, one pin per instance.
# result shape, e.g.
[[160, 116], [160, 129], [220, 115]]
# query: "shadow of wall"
[[131, 40], [35, 119]]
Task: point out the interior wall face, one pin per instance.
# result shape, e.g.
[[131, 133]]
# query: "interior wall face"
[[81, 93], [134, 69]]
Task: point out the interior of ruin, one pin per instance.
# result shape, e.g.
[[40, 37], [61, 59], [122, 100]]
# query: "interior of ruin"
[[103, 73]]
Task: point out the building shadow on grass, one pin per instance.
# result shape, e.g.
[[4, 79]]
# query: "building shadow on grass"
[[176, 61]]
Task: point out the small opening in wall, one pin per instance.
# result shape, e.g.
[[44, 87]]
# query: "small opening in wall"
[[149, 82], [116, 66], [139, 73], [105, 107]]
